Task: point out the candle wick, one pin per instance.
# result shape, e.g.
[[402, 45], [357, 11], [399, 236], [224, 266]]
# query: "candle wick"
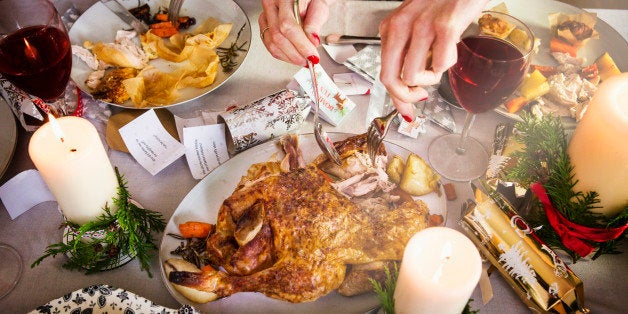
[[62, 140], [73, 150]]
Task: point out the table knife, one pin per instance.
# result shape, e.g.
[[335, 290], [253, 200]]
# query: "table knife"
[[120, 11]]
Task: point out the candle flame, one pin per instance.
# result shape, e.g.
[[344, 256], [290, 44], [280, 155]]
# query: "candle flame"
[[30, 51], [56, 127]]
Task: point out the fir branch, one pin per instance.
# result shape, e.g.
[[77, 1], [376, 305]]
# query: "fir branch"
[[126, 232], [386, 292], [545, 159]]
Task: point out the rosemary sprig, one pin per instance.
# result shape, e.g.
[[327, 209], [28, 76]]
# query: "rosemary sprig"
[[127, 232], [228, 56]]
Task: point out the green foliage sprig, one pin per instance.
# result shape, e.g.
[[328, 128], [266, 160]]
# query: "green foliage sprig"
[[545, 159], [386, 291], [125, 232], [228, 56]]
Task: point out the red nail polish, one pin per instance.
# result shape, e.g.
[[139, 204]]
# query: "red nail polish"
[[318, 39], [423, 99], [314, 59], [407, 118]]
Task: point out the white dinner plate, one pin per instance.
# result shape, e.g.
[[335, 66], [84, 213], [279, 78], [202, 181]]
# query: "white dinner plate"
[[99, 24], [8, 135], [535, 14], [204, 200]]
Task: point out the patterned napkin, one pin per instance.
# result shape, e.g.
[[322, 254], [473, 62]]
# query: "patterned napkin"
[[366, 62], [106, 299]]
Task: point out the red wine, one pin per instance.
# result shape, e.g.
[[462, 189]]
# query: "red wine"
[[488, 70], [37, 59]]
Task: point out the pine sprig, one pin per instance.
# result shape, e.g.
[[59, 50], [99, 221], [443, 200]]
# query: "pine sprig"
[[386, 292], [127, 232], [545, 160]]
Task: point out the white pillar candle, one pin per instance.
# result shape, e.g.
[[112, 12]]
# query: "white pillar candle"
[[438, 273], [599, 147], [72, 161]]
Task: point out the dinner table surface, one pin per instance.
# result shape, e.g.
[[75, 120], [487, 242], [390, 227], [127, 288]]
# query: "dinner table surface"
[[605, 281]]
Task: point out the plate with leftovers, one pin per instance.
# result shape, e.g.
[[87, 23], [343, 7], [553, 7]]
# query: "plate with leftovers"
[[169, 65], [576, 50], [305, 206]]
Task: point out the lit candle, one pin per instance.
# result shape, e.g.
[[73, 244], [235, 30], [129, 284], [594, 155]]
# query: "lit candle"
[[598, 148], [438, 273], [72, 161]]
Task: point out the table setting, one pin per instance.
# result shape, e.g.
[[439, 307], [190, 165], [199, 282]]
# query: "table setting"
[[204, 141]]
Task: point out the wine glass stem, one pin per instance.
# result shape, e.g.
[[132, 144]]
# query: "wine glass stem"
[[468, 122]]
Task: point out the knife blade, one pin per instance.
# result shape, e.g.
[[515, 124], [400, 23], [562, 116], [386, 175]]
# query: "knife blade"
[[337, 39], [120, 11]]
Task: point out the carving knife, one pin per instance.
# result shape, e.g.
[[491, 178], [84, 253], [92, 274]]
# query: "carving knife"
[[126, 16]]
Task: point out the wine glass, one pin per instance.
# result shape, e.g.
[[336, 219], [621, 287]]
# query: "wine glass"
[[488, 70], [35, 51]]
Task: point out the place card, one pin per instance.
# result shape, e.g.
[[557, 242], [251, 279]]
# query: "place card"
[[352, 84], [150, 144], [334, 104], [414, 128], [23, 192], [205, 148]]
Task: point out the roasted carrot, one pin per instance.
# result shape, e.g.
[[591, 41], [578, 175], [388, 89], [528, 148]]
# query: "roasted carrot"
[[162, 17], [546, 70], [516, 104], [557, 45], [195, 229]]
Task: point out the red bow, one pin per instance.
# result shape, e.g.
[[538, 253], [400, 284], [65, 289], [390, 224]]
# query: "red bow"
[[574, 235]]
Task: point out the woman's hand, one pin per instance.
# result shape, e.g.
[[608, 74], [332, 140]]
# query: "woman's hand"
[[284, 38], [419, 43]]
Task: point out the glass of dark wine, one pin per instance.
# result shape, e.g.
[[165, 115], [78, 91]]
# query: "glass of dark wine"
[[35, 56], [35, 50], [489, 68]]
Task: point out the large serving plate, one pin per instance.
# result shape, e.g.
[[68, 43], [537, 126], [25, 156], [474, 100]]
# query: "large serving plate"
[[99, 24], [203, 202], [535, 14], [8, 135]]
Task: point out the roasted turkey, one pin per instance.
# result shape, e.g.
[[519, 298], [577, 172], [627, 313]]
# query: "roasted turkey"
[[291, 235]]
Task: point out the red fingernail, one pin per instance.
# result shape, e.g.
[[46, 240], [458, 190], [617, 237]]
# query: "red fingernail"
[[314, 59], [318, 39], [423, 99], [407, 118]]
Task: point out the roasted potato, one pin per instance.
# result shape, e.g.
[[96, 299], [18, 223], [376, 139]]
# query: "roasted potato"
[[177, 264], [395, 169], [418, 177]]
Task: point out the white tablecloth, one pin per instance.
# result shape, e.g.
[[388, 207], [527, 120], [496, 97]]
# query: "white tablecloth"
[[604, 279]]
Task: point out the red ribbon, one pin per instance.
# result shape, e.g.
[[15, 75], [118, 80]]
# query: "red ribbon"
[[571, 234]]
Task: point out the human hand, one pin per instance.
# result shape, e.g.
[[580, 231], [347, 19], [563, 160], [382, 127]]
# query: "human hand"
[[412, 33], [284, 38]]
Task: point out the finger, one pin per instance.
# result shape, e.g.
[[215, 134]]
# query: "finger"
[[393, 49], [267, 40], [294, 33], [416, 58], [316, 16], [406, 109], [444, 50]]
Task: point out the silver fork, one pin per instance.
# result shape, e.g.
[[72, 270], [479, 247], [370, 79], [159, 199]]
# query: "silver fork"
[[173, 11], [376, 132]]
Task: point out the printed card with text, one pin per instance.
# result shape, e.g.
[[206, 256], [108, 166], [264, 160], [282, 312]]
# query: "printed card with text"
[[205, 148], [150, 144]]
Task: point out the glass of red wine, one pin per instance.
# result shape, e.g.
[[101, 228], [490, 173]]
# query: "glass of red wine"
[[35, 50], [489, 68], [35, 56]]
